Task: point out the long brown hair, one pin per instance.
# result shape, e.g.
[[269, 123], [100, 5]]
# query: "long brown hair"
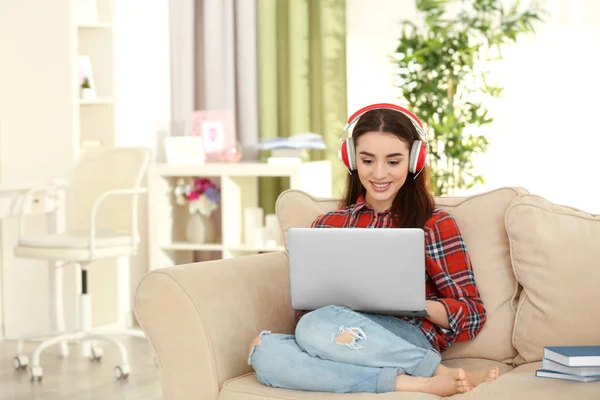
[[414, 203]]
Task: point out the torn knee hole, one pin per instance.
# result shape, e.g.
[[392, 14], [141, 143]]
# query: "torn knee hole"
[[349, 337], [344, 338], [256, 341], [253, 345]]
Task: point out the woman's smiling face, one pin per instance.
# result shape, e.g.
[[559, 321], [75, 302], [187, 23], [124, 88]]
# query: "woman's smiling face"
[[382, 166]]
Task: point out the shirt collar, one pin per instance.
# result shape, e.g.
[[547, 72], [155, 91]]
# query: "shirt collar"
[[361, 204]]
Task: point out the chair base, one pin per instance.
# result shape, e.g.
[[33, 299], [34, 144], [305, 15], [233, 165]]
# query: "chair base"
[[121, 370], [85, 334]]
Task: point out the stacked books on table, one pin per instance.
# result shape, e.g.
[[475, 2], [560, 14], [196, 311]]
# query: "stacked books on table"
[[574, 363]]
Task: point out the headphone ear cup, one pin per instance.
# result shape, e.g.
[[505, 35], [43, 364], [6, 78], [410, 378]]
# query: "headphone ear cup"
[[416, 154], [344, 155], [351, 153]]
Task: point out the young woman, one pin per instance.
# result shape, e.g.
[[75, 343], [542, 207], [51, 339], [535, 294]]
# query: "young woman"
[[335, 349]]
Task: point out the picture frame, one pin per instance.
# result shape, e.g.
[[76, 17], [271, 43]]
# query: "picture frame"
[[216, 128]]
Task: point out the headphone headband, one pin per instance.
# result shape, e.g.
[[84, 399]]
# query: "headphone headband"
[[389, 106]]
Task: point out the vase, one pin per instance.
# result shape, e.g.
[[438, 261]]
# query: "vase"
[[200, 229]]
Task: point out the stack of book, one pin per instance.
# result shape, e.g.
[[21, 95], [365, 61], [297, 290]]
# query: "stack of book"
[[293, 149], [574, 363]]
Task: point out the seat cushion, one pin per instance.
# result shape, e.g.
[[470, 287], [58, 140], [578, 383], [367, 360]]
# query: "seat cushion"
[[78, 240], [71, 254], [246, 387], [469, 364], [481, 221], [522, 384], [555, 255]]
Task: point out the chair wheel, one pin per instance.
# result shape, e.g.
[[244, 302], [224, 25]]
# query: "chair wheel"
[[121, 371], [36, 373], [20, 362], [97, 354]]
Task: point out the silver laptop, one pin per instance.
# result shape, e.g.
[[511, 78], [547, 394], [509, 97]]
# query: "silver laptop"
[[379, 271]]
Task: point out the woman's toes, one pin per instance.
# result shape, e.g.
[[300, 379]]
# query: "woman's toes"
[[463, 387], [493, 374]]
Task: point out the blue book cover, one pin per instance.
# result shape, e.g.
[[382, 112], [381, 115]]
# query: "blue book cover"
[[574, 356], [549, 365], [542, 373]]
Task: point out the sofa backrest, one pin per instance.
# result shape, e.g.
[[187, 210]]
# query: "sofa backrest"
[[555, 252], [481, 221]]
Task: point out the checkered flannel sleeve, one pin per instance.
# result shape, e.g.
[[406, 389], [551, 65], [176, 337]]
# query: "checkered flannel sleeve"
[[450, 269]]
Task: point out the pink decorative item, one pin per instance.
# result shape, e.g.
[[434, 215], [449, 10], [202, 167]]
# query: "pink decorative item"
[[217, 130], [232, 154]]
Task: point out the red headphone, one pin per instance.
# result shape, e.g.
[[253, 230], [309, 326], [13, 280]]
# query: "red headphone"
[[419, 156]]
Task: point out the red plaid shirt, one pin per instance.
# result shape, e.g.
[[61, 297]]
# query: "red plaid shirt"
[[449, 277]]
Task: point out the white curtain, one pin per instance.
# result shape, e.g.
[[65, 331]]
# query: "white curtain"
[[214, 63], [183, 55]]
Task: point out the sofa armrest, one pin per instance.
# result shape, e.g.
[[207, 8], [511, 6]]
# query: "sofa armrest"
[[200, 318]]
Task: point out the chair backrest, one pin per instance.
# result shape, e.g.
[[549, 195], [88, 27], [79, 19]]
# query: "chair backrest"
[[98, 171]]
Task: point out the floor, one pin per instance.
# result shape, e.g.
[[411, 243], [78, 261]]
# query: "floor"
[[77, 378]]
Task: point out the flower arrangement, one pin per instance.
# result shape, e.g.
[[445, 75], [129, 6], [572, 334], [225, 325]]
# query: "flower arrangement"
[[201, 194]]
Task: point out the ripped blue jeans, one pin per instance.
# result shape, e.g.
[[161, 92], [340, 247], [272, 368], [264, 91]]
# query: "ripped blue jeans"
[[381, 348]]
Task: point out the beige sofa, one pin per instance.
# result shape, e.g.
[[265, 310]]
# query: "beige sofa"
[[537, 265]]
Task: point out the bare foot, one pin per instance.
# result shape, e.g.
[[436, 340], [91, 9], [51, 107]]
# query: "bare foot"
[[482, 375], [448, 384]]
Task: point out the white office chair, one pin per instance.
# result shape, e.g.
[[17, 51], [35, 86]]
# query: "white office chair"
[[102, 208]]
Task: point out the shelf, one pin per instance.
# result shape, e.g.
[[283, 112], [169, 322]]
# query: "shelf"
[[251, 169], [218, 247], [192, 246], [95, 26], [239, 183], [98, 101]]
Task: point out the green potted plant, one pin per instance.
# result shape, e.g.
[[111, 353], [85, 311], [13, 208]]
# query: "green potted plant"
[[441, 77], [86, 91]]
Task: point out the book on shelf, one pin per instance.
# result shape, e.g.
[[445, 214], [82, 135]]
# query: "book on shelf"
[[574, 356], [574, 363]]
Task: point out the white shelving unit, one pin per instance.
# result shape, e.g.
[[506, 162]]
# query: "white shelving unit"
[[239, 189], [95, 125], [96, 117]]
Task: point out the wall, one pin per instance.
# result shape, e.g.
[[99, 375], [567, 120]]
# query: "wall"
[[542, 138], [143, 90], [36, 144]]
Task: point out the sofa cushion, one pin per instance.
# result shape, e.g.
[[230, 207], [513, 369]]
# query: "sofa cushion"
[[471, 364], [555, 255], [522, 384], [297, 209], [246, 387], [481, 221]]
